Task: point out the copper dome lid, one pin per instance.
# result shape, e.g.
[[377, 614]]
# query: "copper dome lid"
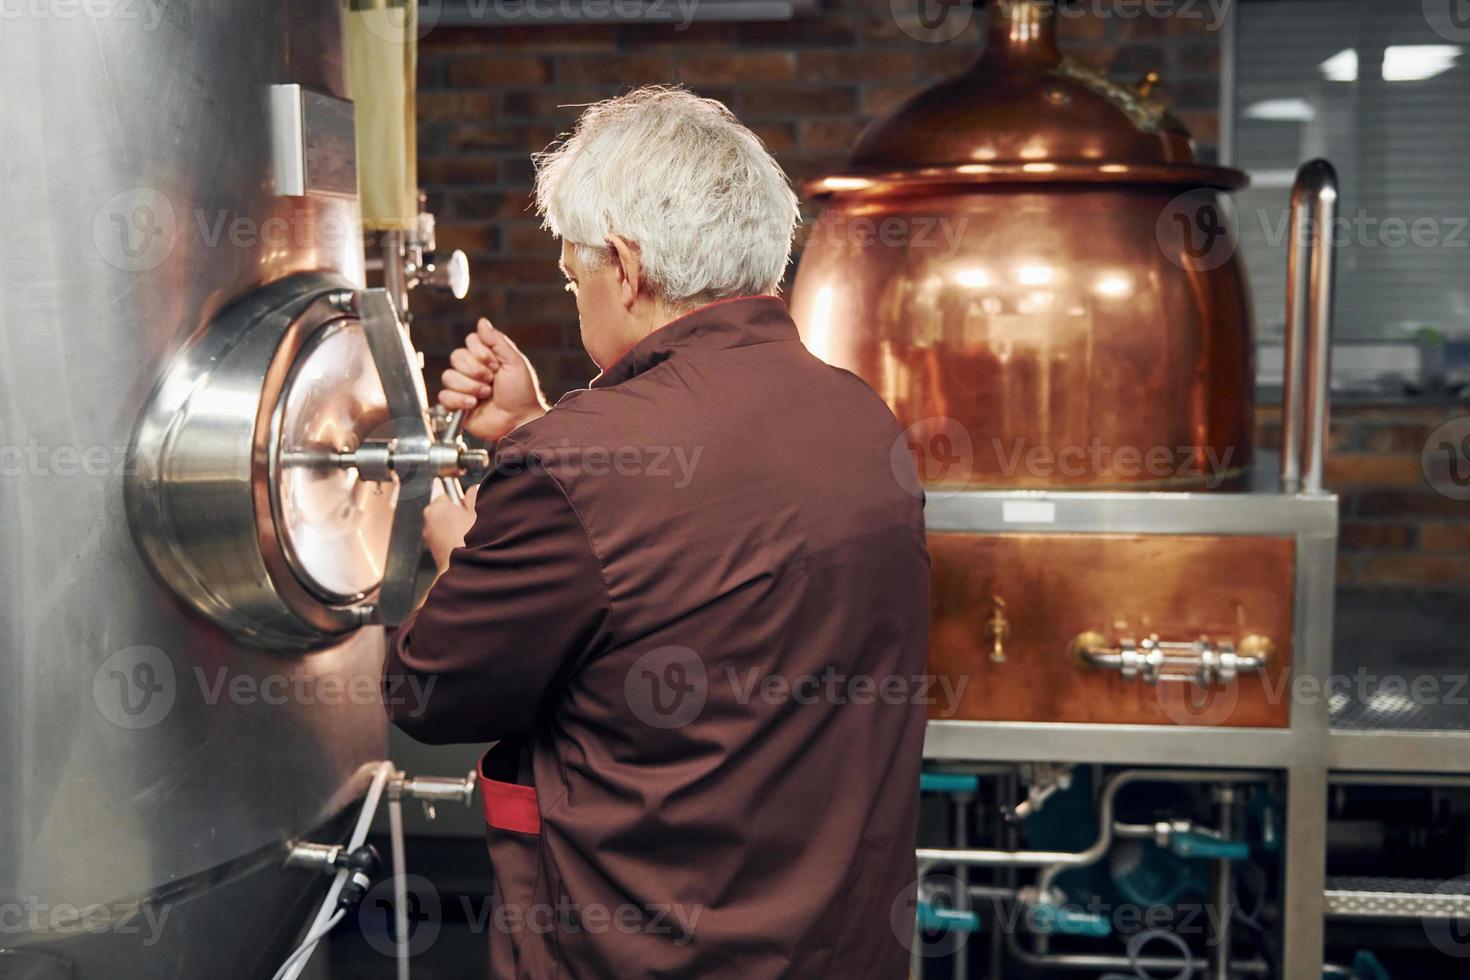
[[1023, 113]]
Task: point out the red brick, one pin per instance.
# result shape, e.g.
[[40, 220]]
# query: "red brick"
[[550, 37], [488, 72], [778, 136], [795, 101], [521, 270], [527, 236], [448, 106], [535, 303], [472, 137], [621, 71], [1394, 437], [737, 67], [1446, 537], [857, 66], [1376, 537], [1370, 470], [800, 33], [1408, 504], [828, 134], [563, 104], [676, 36], [473, 238], [1444, 571], [478, 205], [458, 170]]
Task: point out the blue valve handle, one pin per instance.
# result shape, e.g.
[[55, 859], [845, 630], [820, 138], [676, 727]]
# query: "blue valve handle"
[[1192, 844], [1050, 919], [936, 918], [948, 782]]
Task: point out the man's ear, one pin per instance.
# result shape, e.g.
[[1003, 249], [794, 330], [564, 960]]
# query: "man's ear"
[[629, 267]]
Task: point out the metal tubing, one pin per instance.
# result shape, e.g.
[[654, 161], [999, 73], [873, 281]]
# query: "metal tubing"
[[1223, 894], [1092, 961], [1054, 862], [394, 245], [1309, 277], [1105, 811]]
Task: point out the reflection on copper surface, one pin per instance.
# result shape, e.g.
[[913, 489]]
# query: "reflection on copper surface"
[[1061, 311], [1180, 587]]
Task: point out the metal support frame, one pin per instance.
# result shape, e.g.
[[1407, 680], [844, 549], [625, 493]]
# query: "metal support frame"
[[1308, 753]]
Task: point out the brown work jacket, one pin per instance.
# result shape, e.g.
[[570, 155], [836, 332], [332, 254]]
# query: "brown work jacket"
[[693, 611]]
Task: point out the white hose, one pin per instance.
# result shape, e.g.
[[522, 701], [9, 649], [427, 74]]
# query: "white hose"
[[326, 914], [303, 952], [400, 885]]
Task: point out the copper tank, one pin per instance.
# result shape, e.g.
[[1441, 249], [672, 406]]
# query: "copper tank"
[[1030, 266]]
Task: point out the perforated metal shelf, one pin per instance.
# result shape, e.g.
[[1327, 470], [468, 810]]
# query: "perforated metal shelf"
[[1397, 898]]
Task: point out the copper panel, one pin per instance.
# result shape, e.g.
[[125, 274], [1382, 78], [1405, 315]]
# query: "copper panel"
[[1055, 586]]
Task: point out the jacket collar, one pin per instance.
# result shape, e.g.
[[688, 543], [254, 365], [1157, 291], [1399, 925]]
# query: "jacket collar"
[[741, 321]]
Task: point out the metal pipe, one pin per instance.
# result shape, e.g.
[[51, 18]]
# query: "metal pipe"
[[960, 964], [1099, 961], [1054, 862], [1309, 279], [1222, 893], [1105, 811], [394, 245], [452, 488]]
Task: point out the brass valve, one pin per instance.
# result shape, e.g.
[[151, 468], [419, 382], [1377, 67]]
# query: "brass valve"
[[1205, 662], [997, 630]]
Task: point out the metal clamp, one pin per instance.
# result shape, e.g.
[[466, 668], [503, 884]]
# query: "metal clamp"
[[1152, 660], [433, 789]]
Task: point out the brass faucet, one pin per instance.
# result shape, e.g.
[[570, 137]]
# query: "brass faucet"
[[998, 630]]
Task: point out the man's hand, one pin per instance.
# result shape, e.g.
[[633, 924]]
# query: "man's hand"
[[446, 523], [493, 383]]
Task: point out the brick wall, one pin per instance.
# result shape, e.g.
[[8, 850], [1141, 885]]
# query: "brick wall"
[[490, 97], [1405, 525]]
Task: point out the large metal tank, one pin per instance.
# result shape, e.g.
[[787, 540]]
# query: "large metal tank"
[[1029, 265], [200, 413]]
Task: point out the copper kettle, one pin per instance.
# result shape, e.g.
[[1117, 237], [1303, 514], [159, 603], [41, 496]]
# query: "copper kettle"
[[1031, 267]]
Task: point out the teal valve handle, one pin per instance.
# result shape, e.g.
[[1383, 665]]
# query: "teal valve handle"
[[937, 918], [1192, 844], [1051, 919], [948, 782]]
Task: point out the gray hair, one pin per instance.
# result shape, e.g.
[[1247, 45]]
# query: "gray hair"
[[711, 213]]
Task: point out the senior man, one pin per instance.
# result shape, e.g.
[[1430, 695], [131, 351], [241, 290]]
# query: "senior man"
[[691, 601]]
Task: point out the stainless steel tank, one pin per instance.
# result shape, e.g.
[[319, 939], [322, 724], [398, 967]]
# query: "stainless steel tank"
[[214, 446]]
